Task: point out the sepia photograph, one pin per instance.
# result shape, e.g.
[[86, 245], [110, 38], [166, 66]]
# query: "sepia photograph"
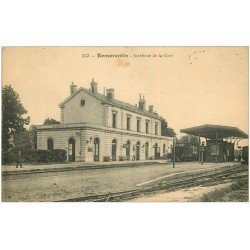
[[125, 124]]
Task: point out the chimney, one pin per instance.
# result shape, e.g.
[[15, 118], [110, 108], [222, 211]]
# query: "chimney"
[[110, 93], [151, 108], [72, 88], [142, 103], [93, 86]]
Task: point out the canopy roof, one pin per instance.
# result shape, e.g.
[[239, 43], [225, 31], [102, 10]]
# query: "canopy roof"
[[209, 131]]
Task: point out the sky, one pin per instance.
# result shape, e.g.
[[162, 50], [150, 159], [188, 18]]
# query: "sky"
[[189, 86]]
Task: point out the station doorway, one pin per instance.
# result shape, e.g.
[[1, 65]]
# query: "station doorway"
[[72, 149]]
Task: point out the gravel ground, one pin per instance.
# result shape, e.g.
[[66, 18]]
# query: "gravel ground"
[[184, 195], [72, 184]]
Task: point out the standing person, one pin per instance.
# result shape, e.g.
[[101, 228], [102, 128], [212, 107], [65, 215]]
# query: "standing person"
[[19, 160], [239, 157]]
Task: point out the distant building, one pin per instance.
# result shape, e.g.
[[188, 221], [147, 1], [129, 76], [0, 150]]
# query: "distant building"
[[97, 127]]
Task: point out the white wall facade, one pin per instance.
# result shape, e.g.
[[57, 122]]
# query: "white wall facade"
[[84, 136], [73, 112], [122, 120], [94, 119]]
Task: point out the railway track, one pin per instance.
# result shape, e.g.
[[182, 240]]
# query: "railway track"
[[218, 176]]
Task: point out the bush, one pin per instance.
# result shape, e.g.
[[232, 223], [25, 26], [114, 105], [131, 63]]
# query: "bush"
[[46, 156], [169, 156], [39, 156], [106, 158], [122, 158], [59, 155], [8, 157], [35, 156], [165, 157]]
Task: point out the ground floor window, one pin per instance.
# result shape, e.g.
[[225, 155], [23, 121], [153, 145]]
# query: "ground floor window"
[[96, 149], [156, 151], [50, 144], [146, 151], [137, 152], [128, 150], [114, 150], [71, 149], [164, 149]]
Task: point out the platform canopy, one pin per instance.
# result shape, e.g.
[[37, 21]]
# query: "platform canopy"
[[215, 131]]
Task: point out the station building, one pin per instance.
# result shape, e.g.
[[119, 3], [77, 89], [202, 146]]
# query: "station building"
[[97, 127]]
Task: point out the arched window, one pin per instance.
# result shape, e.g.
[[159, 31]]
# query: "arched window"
[[156, 151], [146, 151], [72, 149], [50, 144], [128, 150], [114, 149], [96, 149], [137, 153]]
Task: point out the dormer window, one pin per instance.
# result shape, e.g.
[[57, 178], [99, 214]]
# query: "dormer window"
[[82, 102]]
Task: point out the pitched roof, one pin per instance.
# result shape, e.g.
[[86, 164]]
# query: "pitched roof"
[[104, 99], [209, 131]]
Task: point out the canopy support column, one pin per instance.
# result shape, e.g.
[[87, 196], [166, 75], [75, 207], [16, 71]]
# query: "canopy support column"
[[216, 138], [199, 148]]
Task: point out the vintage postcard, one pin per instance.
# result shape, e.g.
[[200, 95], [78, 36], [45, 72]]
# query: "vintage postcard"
[[133, 124]]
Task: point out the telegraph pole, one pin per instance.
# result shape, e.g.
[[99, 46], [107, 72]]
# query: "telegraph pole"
[[202, 150], [174, 152]]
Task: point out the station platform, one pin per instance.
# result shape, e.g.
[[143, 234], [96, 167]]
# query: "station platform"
[[39, 168]]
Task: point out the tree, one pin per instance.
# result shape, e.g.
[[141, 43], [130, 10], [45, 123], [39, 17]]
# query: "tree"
[[166, 130], [50, 121], [33, 136], [193, 140], [13, 120], [22, 142], [25, 141]]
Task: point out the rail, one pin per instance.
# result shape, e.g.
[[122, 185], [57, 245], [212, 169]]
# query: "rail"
[[222, 175]]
